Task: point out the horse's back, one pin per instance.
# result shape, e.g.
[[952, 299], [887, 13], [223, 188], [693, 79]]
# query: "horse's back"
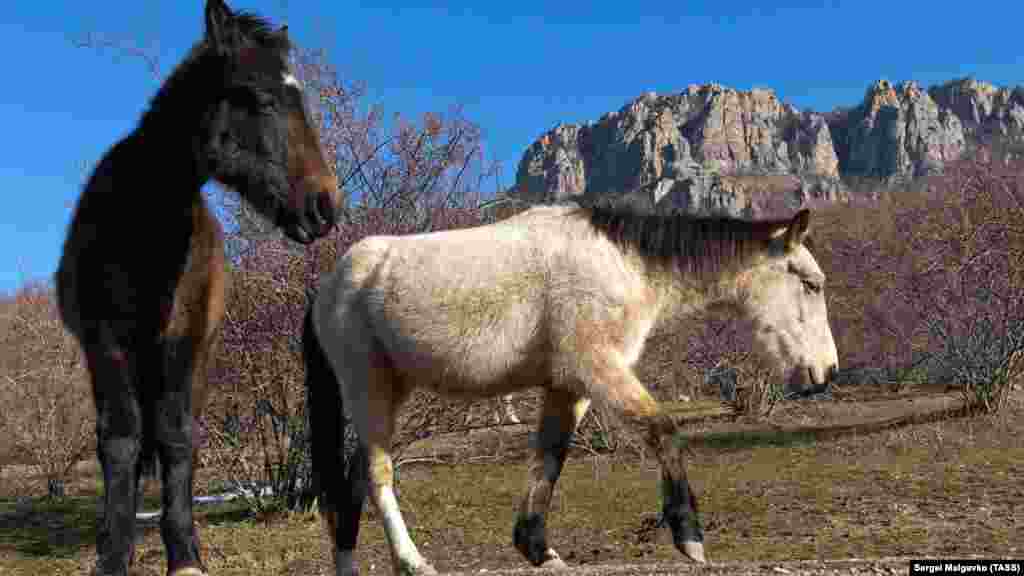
[[78, 282], [476, 308]]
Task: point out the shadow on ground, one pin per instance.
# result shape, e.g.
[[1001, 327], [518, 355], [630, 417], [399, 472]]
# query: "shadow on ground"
[[41, 527], [44, 528]]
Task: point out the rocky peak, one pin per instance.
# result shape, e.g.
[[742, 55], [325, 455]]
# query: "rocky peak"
[[983, 109], [898, 130], [709, 147], [881, 93], [678, 146]]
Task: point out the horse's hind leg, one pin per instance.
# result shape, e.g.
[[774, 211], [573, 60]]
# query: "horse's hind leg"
[[612, 381], [119, 432], [176, 366], [341, 489], [562, 414], [375, 401]]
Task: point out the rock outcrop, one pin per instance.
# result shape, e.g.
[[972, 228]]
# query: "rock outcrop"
[[678, 147], [898, 130], [713, 149], [984, 110]]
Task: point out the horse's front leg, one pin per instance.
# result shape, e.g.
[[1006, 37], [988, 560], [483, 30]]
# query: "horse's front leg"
[[620, 388], [561, 415], [119, 433], [173, 431]]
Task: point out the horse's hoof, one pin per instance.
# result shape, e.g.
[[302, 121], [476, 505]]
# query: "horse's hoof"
[[349, 570], [345, 564], [554, 564], [553, 561], [694, 551], [421, 570]]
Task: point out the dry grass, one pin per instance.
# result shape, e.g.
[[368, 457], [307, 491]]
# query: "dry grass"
[[781, 490]]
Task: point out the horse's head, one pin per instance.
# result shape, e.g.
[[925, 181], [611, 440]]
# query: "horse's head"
[[784, 296], [260, 139]]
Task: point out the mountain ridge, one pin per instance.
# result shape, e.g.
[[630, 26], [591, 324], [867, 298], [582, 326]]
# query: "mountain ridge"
[[703, 149]]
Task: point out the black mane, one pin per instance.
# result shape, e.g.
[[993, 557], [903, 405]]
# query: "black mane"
[[693, 244], [198, 70], [260, 32]]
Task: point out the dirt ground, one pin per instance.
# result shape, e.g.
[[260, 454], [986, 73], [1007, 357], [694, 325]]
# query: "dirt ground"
[[868, 474]]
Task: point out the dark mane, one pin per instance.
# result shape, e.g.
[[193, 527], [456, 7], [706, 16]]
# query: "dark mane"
[[259, 31], [180, 85], [693, 244]]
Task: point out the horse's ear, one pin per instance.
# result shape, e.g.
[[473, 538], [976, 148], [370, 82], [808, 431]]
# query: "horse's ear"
[[798, 228], [218, 17], [282, 33]]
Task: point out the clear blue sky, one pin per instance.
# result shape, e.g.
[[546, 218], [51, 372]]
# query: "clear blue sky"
[[518, 68]]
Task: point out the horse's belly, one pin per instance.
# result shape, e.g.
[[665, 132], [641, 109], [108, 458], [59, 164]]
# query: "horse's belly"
[[474, 363], [476, 383]]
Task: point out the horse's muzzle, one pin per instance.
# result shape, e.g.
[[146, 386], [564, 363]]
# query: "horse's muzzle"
[[803, 382], [822, 387], [315, 216]]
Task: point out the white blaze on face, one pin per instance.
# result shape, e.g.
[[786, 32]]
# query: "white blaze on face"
[[289, 79]]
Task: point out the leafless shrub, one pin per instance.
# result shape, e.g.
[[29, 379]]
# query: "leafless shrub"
[[723, 349], [748, 384], [969, 280], [983, 358], [925, 281], [874, 319], [601, 433], [48, 418]]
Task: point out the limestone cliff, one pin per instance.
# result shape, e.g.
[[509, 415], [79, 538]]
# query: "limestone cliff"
[[713, 149], [683, 148]]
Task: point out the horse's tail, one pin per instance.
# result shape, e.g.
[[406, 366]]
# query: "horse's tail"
[[341, 493]]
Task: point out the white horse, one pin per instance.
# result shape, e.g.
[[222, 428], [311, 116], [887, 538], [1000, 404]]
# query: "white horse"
[[560, 297]]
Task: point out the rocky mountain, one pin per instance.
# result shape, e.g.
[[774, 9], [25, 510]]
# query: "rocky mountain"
[[898, 130], [984, 110], [713, 149]]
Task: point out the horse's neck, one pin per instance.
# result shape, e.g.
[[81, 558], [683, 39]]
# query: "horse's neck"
[[161, 174], [679, 294], [141, 193]]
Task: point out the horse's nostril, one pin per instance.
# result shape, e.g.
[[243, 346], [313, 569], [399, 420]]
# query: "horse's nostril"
[[324, 209]]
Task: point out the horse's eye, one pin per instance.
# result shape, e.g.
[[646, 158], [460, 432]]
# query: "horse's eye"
[[811, 287], [263, 101], [257, 100]]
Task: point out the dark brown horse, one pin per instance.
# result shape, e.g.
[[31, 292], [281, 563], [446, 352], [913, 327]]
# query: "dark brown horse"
[[142, 279]]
